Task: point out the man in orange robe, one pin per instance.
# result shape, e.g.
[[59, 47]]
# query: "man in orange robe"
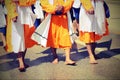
[[58, 35]]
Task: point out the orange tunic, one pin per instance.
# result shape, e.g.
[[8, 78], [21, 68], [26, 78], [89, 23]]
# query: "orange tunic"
[[90, 37], [58, 36]]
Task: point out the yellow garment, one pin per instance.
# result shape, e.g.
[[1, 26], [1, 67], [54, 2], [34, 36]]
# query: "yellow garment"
[[58, 36], [11, 13], [26, 2], [87, 4], [49, 8]]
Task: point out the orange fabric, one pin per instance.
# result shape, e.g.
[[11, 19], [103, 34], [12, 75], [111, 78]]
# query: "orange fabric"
[[28, 31], [58, 36], [90, 37]]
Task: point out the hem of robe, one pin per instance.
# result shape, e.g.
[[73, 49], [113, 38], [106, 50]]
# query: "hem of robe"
[[91, 37], [28, 31]]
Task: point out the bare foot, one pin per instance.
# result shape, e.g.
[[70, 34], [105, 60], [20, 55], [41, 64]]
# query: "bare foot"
[[55, 61], [70, 62], [92, 60]]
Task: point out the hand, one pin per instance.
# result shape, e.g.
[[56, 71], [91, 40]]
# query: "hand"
[[1, 1], [15, 1], [91, 11], [14, 19], [59, 9]]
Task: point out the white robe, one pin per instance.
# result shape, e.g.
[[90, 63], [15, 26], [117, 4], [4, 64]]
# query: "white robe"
[[93, 23], [25, 16]]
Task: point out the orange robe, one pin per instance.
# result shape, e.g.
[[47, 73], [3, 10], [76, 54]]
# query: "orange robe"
[[58, 35], [90, 37]]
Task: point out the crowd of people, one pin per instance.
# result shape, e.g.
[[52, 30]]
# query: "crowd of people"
[[51, 23]]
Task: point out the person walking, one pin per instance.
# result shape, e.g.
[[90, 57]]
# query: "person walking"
[[19, 29], [92, 25], [57, 28]]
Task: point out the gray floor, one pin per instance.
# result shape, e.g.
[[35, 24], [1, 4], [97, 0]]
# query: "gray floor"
[[39, 59]]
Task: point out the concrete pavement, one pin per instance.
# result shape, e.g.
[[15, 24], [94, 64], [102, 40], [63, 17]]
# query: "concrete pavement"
[[41, 68]]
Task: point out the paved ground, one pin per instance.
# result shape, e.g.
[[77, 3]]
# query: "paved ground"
[[39, 59]]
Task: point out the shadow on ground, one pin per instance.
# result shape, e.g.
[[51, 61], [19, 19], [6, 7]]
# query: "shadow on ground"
[[13, 63]]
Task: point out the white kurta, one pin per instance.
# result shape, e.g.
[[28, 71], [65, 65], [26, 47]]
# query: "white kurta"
[[25, 16], [93, 23], [3, 11]]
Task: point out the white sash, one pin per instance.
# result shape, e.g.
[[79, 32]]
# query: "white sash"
[[41, 33]]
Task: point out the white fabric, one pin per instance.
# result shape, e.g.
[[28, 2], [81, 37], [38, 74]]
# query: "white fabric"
[[41, 33], [76, 4], [26, 16], [17, 37], [3, 11], [38, 10], [93, 23]]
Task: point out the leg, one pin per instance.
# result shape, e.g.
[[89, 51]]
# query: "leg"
[[3, 39], [93, 49], [75, 26], [55, 57], [68, 61], [21, 62], [23, 58], [90, 52]]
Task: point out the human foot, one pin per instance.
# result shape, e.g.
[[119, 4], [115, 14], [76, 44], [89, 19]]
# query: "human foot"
[[92, 60], [22, 69], [70, 62], [55, 61]]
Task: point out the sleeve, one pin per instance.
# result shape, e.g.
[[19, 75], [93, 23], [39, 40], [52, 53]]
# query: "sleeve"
[[87, 4], [26, 2], [67, 5], [11, 8], [5, 10], [47, 7]]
